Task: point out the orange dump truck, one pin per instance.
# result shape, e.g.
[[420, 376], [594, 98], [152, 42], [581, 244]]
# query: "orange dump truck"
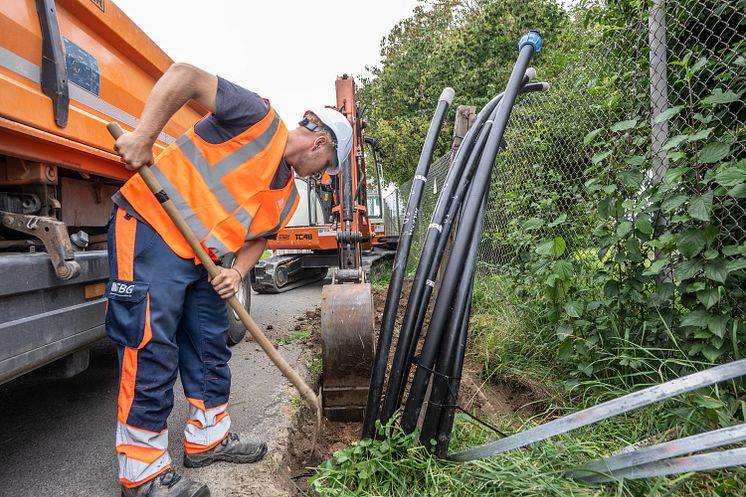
[[66, 69]]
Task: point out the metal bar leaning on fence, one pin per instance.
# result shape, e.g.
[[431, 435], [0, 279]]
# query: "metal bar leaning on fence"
[[635, 462], [400, 265], [698, 462], [606, 410]]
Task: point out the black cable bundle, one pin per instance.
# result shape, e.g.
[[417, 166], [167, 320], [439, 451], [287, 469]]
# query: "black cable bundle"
[[466, 191], [400, 264]]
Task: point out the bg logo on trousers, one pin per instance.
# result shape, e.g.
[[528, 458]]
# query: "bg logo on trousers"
[[122, 289]]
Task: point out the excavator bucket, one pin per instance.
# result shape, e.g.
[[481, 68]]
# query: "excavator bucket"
[[347, 349]]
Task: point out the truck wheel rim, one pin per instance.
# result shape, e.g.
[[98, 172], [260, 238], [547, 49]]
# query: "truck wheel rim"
[[241, 296]]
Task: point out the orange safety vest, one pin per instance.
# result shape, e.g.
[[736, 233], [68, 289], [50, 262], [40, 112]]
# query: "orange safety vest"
[[222, 190]]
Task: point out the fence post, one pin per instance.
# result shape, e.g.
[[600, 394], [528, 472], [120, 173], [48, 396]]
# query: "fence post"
[[398, 211], [658, 103], [465, 116], [658, 87]]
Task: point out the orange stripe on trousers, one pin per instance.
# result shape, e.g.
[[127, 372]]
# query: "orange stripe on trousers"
[[124, 233], [142, 454], [131, 484]]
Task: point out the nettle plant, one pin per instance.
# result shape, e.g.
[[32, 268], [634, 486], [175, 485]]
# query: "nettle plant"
[[663, 274]]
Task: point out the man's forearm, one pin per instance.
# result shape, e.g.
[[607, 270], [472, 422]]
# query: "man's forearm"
[[179, 84], [248, 255]]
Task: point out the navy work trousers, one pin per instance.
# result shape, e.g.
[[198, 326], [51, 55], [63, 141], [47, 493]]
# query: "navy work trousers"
[[164, 316]]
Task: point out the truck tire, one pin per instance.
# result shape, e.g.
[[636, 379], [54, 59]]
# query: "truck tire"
[[236, 329]]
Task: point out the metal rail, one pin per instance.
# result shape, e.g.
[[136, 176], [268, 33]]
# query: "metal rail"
[[629, 463], [700, 462], [606, 410]]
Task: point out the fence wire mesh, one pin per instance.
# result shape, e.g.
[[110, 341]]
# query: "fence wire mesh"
[[620, 198]]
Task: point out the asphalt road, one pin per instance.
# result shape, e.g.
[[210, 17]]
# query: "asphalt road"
[[57, 436]]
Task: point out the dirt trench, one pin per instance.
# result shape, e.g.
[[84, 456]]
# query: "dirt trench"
[[476, 395]]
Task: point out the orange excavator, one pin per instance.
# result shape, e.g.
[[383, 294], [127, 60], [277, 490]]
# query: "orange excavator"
[[332, 230], [312, 242]]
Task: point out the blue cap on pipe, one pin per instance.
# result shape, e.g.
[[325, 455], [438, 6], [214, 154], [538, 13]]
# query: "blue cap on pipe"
[[531, 38]]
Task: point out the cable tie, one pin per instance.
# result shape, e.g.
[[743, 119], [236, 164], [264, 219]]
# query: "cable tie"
[[436, 373], [453, 398], [430, 283], [437, 226], [420, 177]]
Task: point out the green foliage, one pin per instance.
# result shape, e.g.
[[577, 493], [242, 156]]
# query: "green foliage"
[[315, 365], [397, 466], [664, 266], [615, 267], [380, 273], [469, 46]]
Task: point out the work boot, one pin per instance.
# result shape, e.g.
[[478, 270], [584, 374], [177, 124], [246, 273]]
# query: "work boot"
[[231, 449], [168, 484]]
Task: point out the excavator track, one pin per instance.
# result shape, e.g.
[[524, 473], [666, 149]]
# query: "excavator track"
[[281, 273]]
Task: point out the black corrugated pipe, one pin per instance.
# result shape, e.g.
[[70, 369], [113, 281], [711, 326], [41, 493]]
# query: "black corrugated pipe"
[[447, 400], [464, 237], [457, 323], [436, 240], [408, 334], [400, 264], [530, 43]]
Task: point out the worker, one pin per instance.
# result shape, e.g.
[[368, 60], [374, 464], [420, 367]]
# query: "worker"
[[327, 198], [231, 178]]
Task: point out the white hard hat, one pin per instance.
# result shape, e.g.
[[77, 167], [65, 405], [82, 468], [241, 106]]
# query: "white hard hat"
[[341, 134]]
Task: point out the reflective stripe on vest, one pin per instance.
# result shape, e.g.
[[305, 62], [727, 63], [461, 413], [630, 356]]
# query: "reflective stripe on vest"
[[222, 190], [213, 174]]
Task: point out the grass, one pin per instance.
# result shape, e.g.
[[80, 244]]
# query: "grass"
[[398, 466], [315, 365], [513, 345], [380, 273], [297, 402], [295, 337]]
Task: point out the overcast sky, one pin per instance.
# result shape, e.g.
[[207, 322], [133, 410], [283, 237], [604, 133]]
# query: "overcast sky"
[[289, 51]]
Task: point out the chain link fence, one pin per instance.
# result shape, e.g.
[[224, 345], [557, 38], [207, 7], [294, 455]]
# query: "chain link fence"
[[552, 176]]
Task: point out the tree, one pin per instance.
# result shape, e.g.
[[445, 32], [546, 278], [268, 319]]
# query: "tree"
[[469, 45]]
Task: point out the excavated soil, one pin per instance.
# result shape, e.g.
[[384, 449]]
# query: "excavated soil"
[[475, 395]]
